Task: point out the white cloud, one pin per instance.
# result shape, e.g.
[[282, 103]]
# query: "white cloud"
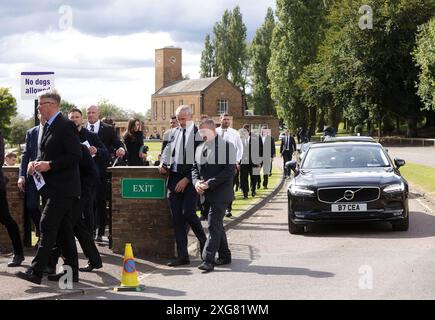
[[109, 52], [89, 68]]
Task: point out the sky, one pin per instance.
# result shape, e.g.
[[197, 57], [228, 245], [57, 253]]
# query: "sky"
[[105, 49]]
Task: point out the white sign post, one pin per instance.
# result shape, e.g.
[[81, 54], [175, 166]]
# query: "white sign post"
[[34, 82]]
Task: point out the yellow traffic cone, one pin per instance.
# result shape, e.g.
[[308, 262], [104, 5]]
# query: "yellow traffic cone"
[[129, 281]]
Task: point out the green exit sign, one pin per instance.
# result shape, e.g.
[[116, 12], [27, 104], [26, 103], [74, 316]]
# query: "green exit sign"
[[143, 188]]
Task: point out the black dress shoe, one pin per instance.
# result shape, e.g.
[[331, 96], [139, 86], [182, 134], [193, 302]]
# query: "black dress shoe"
[[57, 276], [206, 266], [49, 270], [222, 261], [30, 276], [179, 262], [16, 261], [228, 214], [89, 267]]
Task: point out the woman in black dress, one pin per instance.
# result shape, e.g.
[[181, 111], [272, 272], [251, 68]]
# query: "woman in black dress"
[[134, 141]]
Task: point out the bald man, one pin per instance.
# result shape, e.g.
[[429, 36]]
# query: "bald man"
[[108, 136]]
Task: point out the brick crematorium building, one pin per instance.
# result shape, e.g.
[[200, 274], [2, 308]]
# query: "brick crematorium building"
[[206, 96]]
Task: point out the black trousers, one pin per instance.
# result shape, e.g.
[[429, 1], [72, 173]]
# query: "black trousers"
[[286, 156], [10, 224], [82, 231], [236, 182], [101, 207], [205, 208], [217, 239], [32, 200], [183, 205], [56, 226], [247, 171]]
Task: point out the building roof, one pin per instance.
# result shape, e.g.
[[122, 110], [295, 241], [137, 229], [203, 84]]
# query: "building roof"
[[186, 86]]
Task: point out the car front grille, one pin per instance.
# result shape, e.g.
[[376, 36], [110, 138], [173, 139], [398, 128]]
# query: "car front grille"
[[348, 194]]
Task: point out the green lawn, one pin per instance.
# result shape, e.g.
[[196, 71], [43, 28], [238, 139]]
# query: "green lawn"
[[154, 149], [240, 205], [420, 175]]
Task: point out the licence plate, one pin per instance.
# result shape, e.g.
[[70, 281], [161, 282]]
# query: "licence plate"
[[349, 207]]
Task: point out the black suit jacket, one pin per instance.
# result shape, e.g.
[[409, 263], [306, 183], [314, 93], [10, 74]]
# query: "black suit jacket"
[[102, 157], [215, 163], [88, 172], [283, 143], [108, 136], [31, 151], [2, 160], [60, 145]]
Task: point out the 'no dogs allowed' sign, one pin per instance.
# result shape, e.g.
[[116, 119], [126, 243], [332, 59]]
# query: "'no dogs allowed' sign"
[[34, 82]]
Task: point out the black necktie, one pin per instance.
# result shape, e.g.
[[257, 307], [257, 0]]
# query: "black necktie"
[[44, 131], [184, 146], [92, 128]]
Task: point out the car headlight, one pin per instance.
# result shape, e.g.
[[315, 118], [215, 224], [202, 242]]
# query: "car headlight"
[[300, 191], [398, 187]]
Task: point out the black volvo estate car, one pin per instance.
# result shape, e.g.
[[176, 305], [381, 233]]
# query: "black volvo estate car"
[[347, 182]]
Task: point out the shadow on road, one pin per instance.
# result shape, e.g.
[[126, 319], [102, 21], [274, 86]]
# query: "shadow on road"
[[246, 266], [421, 225]]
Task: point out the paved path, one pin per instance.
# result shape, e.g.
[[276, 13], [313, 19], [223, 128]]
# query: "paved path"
[[419, 155], [366, 261]]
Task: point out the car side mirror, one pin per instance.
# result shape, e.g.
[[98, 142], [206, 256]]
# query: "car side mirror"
[[399, 162], [291, 165]]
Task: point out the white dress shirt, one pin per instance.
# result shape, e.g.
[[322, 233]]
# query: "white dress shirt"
[[178, 142], [96, 126], [231, 135]]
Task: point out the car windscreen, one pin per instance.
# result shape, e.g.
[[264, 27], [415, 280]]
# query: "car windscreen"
[[356, 156]]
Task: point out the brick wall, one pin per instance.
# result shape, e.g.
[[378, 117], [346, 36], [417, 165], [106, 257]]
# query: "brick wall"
[[147, 224], [223, 90], [16, 207]]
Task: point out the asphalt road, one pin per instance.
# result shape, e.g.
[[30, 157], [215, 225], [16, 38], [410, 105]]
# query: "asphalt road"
[[366, 261], [419, 155]]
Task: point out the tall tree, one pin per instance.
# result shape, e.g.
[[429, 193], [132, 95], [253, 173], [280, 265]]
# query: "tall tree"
[[260, 53], [225, 53], [8, 109], [237, 33], [208, 59], [296, 38], [424, 56], [221, 31]]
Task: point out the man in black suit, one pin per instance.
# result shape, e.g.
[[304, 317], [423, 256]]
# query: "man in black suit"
[[251, 160], [5, 215], [115, 148], [212, 175], [269, 152], [100, 156], [288, 146], [177, 160], [88, 181], [26, 183], [59, 166]]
